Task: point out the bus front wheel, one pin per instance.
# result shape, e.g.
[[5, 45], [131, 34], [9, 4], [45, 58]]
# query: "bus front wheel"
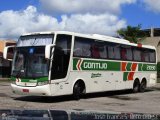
[[76, 91], [79, 89]]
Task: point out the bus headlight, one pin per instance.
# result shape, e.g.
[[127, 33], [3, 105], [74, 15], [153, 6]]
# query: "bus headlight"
[[42, 83]]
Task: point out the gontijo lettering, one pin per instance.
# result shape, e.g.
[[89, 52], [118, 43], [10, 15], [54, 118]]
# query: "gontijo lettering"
[[93, 65]]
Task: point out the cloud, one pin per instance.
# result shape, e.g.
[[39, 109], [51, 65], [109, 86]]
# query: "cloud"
[[84, 6], [153, 5], [102, 24], [15, 23]]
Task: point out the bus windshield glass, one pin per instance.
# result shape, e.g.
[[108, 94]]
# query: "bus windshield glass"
[[35, 40], [30, 62], [29, 57]]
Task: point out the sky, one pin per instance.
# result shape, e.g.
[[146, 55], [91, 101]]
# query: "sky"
[[84, 16]]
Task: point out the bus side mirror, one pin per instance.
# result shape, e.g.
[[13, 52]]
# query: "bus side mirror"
[[8, 53], [48, 51]]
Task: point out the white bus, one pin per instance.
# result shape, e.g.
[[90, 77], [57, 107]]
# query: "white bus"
[[64, 63]]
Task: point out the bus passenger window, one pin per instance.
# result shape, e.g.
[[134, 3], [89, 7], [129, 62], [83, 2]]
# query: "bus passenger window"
[[137, 54], [110, 52], [145, 55], [126, 52], [114, 51], [103, 51], [152, 56], [82, 47], [117, 52], [129, 53], [77, 49], [142, 56], [123, 54], [95, 51], [86, 52]]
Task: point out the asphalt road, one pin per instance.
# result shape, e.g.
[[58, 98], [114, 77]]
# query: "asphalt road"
[[119, 101]]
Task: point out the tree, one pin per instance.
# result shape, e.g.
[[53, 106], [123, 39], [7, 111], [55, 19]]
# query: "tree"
[[132, 34]]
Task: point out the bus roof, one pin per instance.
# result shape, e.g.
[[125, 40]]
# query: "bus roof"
[[94, 36]]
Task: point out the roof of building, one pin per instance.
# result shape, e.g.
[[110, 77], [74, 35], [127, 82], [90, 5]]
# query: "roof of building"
[[4, 43], [156, 32]]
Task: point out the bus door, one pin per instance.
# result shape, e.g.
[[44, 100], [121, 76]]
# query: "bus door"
[[61, 58]]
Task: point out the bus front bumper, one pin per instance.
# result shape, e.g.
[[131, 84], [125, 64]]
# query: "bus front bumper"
[[37, 90]]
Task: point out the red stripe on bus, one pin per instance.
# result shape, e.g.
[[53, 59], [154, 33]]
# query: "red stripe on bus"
[[134, 66], [130, 75], [79, 64], [123, 66]]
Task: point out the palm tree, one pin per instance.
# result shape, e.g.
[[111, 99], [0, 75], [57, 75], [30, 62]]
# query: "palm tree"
[[132, 34]]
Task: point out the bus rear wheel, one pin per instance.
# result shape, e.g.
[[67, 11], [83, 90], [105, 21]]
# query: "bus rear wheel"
[[136, 86], [143, 85]]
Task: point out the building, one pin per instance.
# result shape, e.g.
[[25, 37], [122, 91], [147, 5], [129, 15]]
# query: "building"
[[5, 65], [153, 38]]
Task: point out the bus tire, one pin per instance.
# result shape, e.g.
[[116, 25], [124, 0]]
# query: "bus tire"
[[143, 85], [76, 92], [136, 86]]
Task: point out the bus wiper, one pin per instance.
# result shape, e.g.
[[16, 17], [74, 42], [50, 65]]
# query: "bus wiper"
[[34, 42]]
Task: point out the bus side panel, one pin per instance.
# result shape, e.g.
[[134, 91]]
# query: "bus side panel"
[[100, 81], [95, 81], [149, 76]]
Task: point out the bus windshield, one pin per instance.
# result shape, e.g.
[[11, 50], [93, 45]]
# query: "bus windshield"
[[30, 62], [29, 57]]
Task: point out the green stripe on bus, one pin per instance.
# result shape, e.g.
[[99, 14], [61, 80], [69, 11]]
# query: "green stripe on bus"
[[40, 79], [140, 66], [147, 67], [75, 61], [125, 76], [95, 65], [99, 65], [129, 66]]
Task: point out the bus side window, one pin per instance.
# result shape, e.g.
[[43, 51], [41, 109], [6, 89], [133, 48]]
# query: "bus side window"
[[142, 56], [95, 51], [126, 52], [77, 48], [82, 47], [111, 52], [145, 55], [123, 54], [103, 51], [86, 51], [114, 51], [152, 56], [137, 54]]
